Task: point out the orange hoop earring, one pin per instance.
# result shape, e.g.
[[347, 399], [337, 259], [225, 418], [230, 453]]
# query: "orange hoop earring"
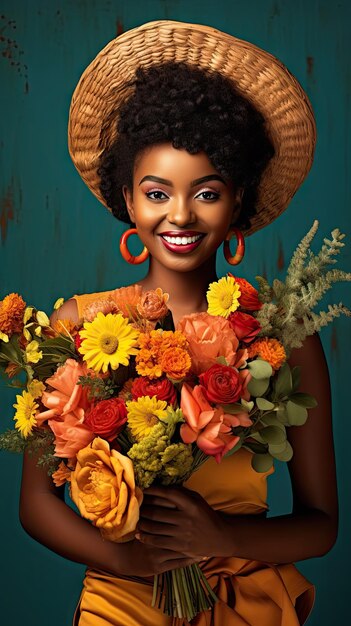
[[130, 258], [240, 250]]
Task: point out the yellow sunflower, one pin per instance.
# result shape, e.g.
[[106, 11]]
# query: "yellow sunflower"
[[223, 296], [144, 413], [25, 414], [108, 340]]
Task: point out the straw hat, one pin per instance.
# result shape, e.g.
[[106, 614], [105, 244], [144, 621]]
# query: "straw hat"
[[258, 75]]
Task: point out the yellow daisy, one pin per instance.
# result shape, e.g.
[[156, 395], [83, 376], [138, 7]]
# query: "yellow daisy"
[[144, 413], [25, 414], [223, 296], [108, 340]]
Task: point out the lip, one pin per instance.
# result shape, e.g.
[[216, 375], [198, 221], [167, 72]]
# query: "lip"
[[180, 233], [181, 249]]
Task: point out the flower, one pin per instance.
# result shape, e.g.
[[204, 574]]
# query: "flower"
[[33, 355], [222, 384], [245, 326], [209, 337], [70, 436], [127, 300], [4, 337], [103, 488], [104, 306], [153, 345], [153, 304], [36, 388], [162, 388], [77, 341], [25, 414], [143, 414], [270, 350], [248, 294], [12, 369], [175, 363], [64, 327], [223, 296], [42, 318], [62, 475], [108, 340], [12, 309], [107, 418], [58, 303]]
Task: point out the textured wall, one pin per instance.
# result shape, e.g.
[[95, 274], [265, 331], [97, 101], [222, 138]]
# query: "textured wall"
[[57, 240]]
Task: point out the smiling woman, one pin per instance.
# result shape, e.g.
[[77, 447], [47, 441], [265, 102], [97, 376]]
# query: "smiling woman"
[[186, 150]]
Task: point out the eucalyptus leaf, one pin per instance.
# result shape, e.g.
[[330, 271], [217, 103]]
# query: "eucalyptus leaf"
[[304, 399], [264, 405], [271, 419], [277, 448], [282, 414], [286, 454], [257, 437], [247, 406], [283, 382], [258, 387], [233, 408], [260, 369], [296, 414], [273, 434], [262, 462], [296, 377]]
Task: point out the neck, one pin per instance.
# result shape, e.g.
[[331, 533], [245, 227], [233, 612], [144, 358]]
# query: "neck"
[[187, 290]]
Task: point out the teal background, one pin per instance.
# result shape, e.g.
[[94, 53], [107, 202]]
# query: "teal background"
[[57, 240]]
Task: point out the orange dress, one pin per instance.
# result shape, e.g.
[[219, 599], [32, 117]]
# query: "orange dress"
[[251, 593]]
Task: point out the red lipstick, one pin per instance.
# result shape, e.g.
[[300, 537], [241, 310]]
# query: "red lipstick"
[[178, 245]]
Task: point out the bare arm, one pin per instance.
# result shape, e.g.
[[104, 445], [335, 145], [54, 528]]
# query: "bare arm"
[[311, 529]]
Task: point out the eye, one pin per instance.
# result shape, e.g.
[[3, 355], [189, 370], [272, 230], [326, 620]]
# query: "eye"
[[157, 194], [208, 195]]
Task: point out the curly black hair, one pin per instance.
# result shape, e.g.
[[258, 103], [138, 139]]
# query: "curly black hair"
[[196, 110]]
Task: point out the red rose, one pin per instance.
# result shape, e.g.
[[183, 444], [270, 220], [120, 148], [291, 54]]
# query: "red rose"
[[245, 326], [162, 388], [221, 383], [248, 294], [78, 341], [107, 418]]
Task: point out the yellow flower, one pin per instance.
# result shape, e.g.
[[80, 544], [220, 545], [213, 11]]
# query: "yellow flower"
[[25, 414], [33, 355], [27, 314], [4, 337], [59, 302], [42, 318], [223, 296], [36, 388], [144, 413], [38, 331], [108, 340]]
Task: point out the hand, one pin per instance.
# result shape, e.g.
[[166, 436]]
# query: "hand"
[[135, 558], [178, 519]]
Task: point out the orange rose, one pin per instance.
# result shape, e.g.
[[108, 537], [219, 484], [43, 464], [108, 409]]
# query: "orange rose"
[[103, 488], [153, 304], [105, 306], [209, 337]]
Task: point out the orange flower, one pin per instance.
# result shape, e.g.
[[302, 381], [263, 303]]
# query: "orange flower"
[[249, 295], [105, 306], [147, 363], [103, 488], [12, 309], [209, 337], [153, 346], [153, 304], [270, 350], [175, 363], [62, 475], [127, 300], [64, 327], [12, 369]]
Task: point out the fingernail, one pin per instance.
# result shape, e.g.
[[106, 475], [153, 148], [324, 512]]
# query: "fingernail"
[[137, 536]]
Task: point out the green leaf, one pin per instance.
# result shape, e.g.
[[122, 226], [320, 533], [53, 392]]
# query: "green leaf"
[[296, 377], [221, 360], [247, 406], [283, 382], [273, 434], [257, 437], [264, 405], [234, 408], [286, 454], [297, 415], [258, 387], [271, 419], [262, 462], [282, 414], [277, 448], [260, 369], [304, 399]]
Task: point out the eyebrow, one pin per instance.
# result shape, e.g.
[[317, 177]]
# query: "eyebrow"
[[198, 181]]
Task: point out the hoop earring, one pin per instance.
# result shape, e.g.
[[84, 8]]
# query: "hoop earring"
[[240, 250], [130, 258]]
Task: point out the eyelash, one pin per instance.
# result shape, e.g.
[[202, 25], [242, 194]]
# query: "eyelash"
[[214, 193]]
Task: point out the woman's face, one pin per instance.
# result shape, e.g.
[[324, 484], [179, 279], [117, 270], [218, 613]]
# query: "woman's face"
[[181, 206]]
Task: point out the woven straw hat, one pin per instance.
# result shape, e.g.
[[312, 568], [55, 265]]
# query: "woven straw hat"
[[258, 75]]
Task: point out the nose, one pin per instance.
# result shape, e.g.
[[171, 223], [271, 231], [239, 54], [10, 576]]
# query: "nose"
[[180, 212]]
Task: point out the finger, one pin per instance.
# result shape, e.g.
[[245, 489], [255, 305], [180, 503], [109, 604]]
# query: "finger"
[[156, 528], [175, 563], [154, 500], [179, 496], [159, 541], [160, 514]]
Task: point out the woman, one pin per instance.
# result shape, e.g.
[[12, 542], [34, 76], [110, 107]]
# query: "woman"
[[186, 132]]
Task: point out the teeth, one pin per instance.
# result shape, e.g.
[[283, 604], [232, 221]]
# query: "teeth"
[[181, 241]]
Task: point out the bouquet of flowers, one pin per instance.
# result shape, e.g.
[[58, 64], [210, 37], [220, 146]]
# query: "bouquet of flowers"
[[123, 400]]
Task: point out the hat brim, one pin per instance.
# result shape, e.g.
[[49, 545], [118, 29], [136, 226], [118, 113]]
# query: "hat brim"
[[257, 74]]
